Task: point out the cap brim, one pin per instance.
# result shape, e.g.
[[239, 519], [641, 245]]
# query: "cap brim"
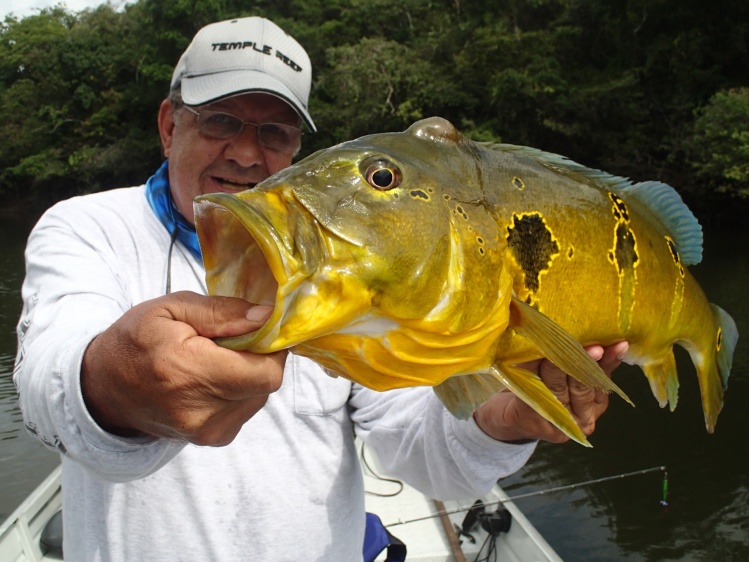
[[206, 88]]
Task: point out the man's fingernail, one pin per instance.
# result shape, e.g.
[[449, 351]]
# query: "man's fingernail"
[[259, 313], [622, 353]]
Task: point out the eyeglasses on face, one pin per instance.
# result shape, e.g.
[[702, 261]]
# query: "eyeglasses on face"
[[276, 136]]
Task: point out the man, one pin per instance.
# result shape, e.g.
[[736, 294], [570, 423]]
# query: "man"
[[117, 370]]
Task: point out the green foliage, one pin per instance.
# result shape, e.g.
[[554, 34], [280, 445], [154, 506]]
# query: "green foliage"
[[614, 84], [66, 97], [721, 143], [377, 84]]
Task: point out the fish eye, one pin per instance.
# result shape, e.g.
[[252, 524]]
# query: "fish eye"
[[383, 175]]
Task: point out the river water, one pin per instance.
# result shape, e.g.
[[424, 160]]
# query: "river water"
[[24, 462], [707, 513]]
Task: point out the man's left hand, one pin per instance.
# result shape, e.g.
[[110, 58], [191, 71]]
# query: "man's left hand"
[[507, 418]]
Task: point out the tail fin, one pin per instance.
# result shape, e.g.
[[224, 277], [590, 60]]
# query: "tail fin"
[[728, 335], [714, 366]]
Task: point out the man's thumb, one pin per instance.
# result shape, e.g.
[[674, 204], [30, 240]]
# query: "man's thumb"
[[259, 313], [217, 317]]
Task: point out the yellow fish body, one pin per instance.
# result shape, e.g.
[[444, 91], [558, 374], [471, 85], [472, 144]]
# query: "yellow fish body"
[[423, 258]]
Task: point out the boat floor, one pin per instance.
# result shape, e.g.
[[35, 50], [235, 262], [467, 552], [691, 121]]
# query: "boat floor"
[[406, 513], [426, 538]]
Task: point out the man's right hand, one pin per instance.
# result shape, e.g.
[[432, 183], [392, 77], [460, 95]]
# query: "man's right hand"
[[157, 371]]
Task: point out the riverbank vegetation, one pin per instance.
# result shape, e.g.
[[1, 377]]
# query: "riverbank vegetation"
[[649, 89]]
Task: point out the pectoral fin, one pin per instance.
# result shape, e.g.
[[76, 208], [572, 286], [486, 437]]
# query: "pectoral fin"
[[560, 347], [461, 395], [530, 389]]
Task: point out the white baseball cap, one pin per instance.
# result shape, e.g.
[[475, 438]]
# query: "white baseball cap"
[[245, 55]]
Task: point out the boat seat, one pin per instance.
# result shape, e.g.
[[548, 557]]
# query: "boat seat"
[[51, 539]]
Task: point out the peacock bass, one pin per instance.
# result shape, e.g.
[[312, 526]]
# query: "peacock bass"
[[424, 258]]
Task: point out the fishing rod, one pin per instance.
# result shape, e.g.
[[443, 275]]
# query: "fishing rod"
[[444, 512]]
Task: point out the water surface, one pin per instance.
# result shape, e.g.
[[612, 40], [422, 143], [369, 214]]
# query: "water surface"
[[24, 462]]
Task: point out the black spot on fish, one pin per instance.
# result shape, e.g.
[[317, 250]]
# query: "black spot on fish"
[[675, 255], [625, 248], [517, 182], [570, 252], [533, 245], [625, 251], [461, 212], [446, 197], [417, 193], [624, 257], [480, 242], [619, 209], [672, 247]]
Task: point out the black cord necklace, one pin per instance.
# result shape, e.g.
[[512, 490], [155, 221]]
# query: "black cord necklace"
[[168, 288]]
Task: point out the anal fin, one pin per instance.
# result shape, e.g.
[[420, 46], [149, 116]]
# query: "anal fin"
[[664, 380]]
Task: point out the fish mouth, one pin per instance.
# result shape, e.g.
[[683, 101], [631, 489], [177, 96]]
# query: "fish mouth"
[[265, 247], [257, 248]]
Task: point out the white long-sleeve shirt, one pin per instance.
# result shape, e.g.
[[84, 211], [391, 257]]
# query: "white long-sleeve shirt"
[[289, 487]]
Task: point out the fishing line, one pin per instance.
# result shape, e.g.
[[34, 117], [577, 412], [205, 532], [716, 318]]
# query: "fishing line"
[[663, 501], [379, 477]]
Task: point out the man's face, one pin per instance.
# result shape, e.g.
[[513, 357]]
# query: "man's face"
[[201, 164]]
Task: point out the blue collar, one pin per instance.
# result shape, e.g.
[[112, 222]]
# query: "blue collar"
[[160, 199]]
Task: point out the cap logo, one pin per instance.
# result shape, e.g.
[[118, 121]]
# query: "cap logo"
[[265, 50]]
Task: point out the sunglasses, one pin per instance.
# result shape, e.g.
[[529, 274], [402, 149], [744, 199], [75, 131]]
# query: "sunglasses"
[[276, 136]]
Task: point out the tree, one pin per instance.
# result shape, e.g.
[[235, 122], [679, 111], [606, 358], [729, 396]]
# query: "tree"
[[720, 145], [612, 84]]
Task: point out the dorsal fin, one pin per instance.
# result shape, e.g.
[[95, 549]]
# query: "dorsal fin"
[[563, 165], [662, 199]]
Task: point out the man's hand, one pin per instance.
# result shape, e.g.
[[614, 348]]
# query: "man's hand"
[[507, 418], [156, 370]]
